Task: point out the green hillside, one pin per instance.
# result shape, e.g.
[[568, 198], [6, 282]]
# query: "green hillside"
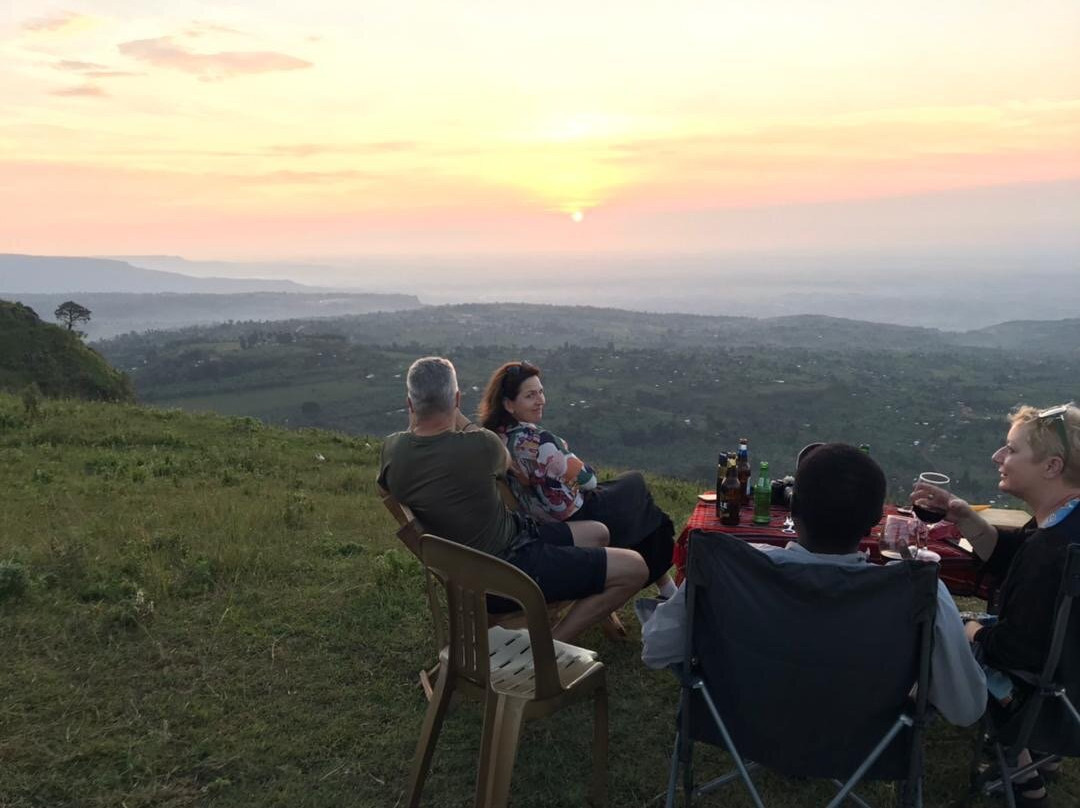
[[626, 392], [197, 610], [54, 358]]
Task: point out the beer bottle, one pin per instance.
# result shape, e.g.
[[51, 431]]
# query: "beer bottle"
[[732, 494], [762, 496], [721, 470], [743, 466]]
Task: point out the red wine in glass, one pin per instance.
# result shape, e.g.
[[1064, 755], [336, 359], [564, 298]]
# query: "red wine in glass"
[[929, 516], [924, 510]]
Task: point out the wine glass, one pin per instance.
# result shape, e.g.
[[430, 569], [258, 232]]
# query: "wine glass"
[[789, 525], [928, 512]]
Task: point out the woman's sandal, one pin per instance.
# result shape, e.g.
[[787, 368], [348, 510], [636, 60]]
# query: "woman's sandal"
[[1020, 790], [1049, 770]]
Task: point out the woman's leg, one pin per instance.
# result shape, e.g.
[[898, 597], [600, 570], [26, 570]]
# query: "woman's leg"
[[589, 534], [1032, 786]]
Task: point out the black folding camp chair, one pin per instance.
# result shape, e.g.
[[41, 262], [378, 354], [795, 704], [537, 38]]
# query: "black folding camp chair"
[[810, 670], [1044, 715]]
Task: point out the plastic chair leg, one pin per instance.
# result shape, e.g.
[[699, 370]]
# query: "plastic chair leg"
[[613, 627], [488, 739], [599, 785], [429, 735], [509, 716]]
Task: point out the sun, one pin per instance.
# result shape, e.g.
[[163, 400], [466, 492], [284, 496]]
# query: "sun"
[[577, 216]]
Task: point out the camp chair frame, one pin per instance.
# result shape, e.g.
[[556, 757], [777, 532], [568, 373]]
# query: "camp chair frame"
[[1008, 740], [517, 674], [912, 716]]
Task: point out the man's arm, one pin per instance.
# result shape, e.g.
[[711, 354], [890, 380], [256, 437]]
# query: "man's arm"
[[663, 637], [463, 424], [957, 681]]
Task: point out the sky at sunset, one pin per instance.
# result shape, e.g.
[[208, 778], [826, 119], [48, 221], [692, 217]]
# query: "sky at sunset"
[[253, 130]]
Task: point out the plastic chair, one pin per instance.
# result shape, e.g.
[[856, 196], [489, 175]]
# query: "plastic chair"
[[517, 674], [1047, 719], [806, 669], [409, 532]]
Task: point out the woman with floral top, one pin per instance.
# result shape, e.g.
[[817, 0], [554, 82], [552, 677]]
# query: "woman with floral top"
[[551, 483]]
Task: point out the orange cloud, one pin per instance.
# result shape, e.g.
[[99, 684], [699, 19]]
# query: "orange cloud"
[[55, 22], [110, 74], [313, 149], [92, 70], [199, 28], [166, 52], [86, 91], [78, 67]]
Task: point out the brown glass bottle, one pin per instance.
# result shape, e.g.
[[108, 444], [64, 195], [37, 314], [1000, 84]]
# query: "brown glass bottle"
[[721, 470], [732, 493]]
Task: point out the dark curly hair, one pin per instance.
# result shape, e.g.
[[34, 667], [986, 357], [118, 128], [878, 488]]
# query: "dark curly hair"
[[839, 494], [504, 383]]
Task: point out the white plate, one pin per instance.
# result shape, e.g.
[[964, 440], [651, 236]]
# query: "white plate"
[[924, 555], [707, 497]]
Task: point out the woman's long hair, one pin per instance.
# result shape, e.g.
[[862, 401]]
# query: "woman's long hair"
[[504, 383]]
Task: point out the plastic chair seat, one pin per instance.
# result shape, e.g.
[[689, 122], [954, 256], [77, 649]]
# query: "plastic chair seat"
[[513, 672]]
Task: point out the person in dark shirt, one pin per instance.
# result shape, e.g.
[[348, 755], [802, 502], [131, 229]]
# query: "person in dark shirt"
[[1040, 464]]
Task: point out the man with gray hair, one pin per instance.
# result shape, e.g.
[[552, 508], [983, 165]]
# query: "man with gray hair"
[[446, 469]]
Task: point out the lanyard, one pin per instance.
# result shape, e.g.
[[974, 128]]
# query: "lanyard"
[[1058, 516]]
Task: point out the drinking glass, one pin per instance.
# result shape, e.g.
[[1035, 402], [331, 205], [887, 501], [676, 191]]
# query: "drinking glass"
[[926, 513]]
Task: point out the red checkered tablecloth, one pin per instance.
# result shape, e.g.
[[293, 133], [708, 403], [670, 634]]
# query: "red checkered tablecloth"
[[960, 570]]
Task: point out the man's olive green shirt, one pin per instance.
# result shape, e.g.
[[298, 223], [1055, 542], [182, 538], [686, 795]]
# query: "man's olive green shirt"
[[448, 480]]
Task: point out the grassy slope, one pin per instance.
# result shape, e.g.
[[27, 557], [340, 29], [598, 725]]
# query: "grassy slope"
[[32, 350], [276, 663]]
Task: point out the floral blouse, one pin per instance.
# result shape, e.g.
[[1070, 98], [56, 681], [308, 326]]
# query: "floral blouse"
[[549, 478]]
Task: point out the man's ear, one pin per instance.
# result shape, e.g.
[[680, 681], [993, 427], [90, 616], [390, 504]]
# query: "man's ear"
[[457, 399], [408, 404]]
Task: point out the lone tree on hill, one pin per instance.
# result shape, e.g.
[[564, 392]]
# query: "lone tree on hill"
[[71, 313]]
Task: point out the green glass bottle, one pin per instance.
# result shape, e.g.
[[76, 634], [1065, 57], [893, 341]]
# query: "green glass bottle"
[[762, 495]]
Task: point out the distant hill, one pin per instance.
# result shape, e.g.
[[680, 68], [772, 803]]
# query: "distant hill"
[[229, 269], [48, 274], [522, 325], [116, 314], [54, 358], [528, 324], [1029, 336]]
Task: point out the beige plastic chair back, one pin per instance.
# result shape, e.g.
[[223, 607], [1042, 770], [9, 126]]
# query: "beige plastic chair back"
[[409, 528]]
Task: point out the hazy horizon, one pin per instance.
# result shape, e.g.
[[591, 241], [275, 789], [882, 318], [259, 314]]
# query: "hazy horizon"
[[955, 290]]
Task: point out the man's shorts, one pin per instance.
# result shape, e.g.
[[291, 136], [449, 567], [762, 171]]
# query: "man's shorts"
[[561, 570]]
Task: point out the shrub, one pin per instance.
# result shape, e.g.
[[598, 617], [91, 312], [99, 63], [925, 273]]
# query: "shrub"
[[245, 423], [198, 577], [13, 579], [31, 400], [298, 507]]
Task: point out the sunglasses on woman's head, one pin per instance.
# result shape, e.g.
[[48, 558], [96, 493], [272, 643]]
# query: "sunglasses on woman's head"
[[1057, 415], [514, 375], [524, 366]]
